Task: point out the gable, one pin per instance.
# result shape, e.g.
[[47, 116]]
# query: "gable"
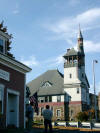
[[46, 84]]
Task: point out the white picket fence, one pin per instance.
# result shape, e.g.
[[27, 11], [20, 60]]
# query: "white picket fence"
[[77, 124]]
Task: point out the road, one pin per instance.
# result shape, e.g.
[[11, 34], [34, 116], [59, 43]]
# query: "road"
[[39, 130]]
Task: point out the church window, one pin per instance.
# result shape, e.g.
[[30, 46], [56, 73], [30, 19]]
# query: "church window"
[[58, 98], [58, 112], [70, 75], [78, 91], [1, 100]]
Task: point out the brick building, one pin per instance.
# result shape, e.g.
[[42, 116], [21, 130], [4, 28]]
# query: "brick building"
[[50, 90], [12, 84]]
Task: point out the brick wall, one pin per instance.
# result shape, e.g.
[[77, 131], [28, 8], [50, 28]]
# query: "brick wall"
[[56, 106], [16, 83]]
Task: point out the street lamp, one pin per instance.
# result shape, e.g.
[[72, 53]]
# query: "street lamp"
[[94, 61]]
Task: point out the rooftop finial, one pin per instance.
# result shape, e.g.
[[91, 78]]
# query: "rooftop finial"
[[80, 34]]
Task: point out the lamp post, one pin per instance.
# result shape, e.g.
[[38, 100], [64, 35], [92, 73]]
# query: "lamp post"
[[95, 108]]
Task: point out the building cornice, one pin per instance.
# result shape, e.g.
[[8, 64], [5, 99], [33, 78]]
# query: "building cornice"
[[5, 35], [14, 64]]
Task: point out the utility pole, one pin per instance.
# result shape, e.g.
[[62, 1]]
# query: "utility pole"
[[95, 100]]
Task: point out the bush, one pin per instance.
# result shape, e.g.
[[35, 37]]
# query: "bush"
[[86, 115], [82, 116]]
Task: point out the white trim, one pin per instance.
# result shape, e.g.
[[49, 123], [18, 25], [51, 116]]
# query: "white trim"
[[60, 112], [25, 102], [15, 93], [13, 68], [14, 63], [5, 35], [2, 89], [4, 46], [4, 75]]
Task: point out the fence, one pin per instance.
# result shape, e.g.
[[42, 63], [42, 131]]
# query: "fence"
[[77, 124]]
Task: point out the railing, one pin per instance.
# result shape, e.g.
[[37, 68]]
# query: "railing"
[[77, 124]]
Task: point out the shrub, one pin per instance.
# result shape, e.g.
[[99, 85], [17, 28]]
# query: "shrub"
[[82, 116]]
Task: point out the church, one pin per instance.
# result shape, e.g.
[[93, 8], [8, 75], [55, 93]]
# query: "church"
[[68, 93]]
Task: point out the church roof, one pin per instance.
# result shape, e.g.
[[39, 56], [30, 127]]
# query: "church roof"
[[49, 83], [71, 52]]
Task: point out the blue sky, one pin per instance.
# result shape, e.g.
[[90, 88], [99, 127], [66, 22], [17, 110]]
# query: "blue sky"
[[44, 29]]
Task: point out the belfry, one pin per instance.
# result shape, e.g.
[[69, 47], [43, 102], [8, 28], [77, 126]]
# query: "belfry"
[[75, 80]]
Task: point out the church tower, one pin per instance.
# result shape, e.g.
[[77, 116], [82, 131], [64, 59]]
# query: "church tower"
[[75, 80]]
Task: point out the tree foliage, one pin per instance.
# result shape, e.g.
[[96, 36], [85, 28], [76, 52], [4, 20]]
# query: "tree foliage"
[[86, 115]]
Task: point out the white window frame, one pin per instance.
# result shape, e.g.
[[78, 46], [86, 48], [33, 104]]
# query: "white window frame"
[[2, 91], [60, 112]]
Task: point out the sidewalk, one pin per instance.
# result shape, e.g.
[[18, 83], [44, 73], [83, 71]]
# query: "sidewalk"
[[56, 130]]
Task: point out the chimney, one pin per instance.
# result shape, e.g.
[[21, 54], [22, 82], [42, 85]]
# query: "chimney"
[[68, 49]]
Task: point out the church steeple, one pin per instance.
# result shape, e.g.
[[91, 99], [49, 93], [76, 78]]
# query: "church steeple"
[[80, 42], [80, 33]]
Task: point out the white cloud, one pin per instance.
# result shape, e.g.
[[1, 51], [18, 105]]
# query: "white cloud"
[[66, 28], [59, 60], [74, 2], [68, 24], [88, 16], [30, 62], [90, 46], [54, 62], [16, 10]]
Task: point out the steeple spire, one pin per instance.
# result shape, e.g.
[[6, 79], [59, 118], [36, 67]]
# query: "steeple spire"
[[80, 33], [80, 41]]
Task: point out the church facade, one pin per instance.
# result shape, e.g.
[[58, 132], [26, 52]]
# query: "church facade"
[[66, 94]]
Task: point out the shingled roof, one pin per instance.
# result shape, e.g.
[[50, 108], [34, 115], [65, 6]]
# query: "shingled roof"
[[71, 52], [49, 83]]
